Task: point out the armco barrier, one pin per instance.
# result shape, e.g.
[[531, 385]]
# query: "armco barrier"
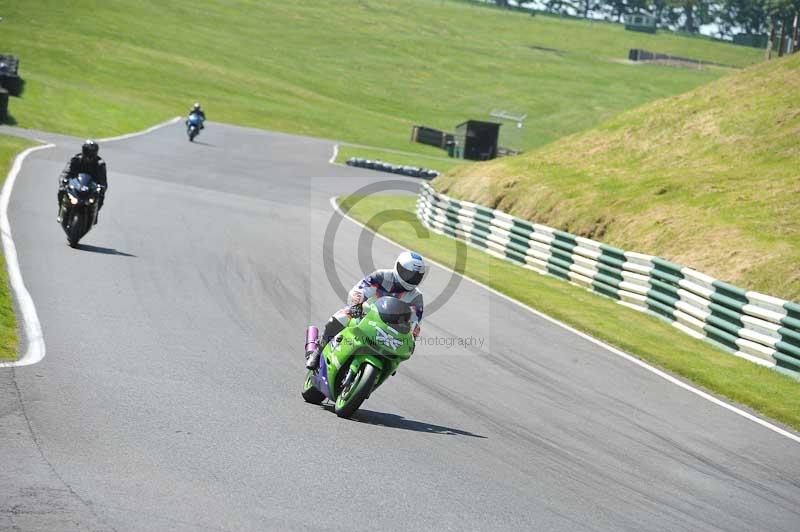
[[758, 327]]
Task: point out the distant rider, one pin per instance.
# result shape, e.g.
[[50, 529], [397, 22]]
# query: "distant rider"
[[88, 161], [401, 282], [196, 109]]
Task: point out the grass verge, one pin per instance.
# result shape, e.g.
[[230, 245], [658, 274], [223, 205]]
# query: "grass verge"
[[362, 71], [9, 147], [440, 164], [763, 390]]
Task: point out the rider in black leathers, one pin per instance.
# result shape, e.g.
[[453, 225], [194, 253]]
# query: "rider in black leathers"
[[88, 162]]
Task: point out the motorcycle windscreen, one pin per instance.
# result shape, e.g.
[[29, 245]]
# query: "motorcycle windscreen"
[[82, 185], [85, 180], [395, 313]]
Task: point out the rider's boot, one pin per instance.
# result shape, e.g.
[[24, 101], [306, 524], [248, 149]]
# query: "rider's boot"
[[312, 358], [60, 197], [332, 328]]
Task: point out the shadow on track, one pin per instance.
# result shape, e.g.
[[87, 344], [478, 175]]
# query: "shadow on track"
[[399, 422], [203, 143], [104, 251]]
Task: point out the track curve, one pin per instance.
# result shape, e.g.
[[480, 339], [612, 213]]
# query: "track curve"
[[169, 397]]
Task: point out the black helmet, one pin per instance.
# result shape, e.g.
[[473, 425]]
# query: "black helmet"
[[90, 149], [395, 313]]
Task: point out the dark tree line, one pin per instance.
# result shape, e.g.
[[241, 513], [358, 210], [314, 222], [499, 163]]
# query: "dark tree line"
[[778, 18]]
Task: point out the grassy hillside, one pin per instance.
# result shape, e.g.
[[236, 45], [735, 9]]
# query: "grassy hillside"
[[709, 179], [356, 70]]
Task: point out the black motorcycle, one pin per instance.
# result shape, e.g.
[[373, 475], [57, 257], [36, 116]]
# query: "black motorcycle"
[[79, 207]]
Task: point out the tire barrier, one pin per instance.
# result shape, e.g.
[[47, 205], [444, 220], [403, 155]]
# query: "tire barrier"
[[754, 326], [9, 75], [411, 171], [634, 54]]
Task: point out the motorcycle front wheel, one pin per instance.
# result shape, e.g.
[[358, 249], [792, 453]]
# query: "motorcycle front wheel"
[[74, 229], [351, 397]]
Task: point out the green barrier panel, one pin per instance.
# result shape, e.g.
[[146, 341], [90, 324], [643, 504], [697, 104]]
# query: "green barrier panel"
[[790, 335], [561, 273], [523, 233], [788, 349], [616, 273], [612, 282], [723, 337], [792, 319], [724, 313], [611, 261], [787, 362], [792, 323], [662, 297], [559, 262], [605, 289], [516, 257], [724, 325], [730, 291], [665, 276], [661, 309]]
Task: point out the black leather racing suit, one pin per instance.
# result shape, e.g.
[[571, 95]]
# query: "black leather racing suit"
[[79, 164]]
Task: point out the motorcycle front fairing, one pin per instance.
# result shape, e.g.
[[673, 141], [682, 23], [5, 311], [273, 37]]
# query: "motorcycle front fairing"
[[194, 120], [365, 340], [81, 190]]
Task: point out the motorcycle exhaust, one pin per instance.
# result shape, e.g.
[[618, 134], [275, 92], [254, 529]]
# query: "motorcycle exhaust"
[[312, 339]]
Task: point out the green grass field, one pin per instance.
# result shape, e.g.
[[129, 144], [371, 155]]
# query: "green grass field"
[[9, 147], [361, 71], [765, 390], [709, 179]]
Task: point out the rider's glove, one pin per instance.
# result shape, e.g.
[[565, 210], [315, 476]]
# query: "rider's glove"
[[356, 311], [356, 297]]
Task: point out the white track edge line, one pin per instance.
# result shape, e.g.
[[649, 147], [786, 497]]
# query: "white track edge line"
[[144, 132], [332, 160], [35, 350], [618, 352]]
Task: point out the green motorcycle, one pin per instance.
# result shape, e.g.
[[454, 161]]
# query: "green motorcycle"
[[361, 357]]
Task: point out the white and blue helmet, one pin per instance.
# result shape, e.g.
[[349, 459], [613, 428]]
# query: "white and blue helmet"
[[410, 270]]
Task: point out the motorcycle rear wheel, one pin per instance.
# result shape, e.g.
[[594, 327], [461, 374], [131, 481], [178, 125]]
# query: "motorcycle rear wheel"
[[311, 394], [352, 396]]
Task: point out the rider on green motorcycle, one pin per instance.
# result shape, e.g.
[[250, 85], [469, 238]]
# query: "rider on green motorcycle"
[[401, 282]]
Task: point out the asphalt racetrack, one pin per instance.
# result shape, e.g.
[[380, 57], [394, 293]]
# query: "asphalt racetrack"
[[169, 398]]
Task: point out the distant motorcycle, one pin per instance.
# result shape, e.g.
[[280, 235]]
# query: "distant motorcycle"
[[193, 126], [79, 207]]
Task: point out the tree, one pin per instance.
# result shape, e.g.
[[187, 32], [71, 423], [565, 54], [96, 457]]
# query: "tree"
[[695, 13], [747, 16]]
